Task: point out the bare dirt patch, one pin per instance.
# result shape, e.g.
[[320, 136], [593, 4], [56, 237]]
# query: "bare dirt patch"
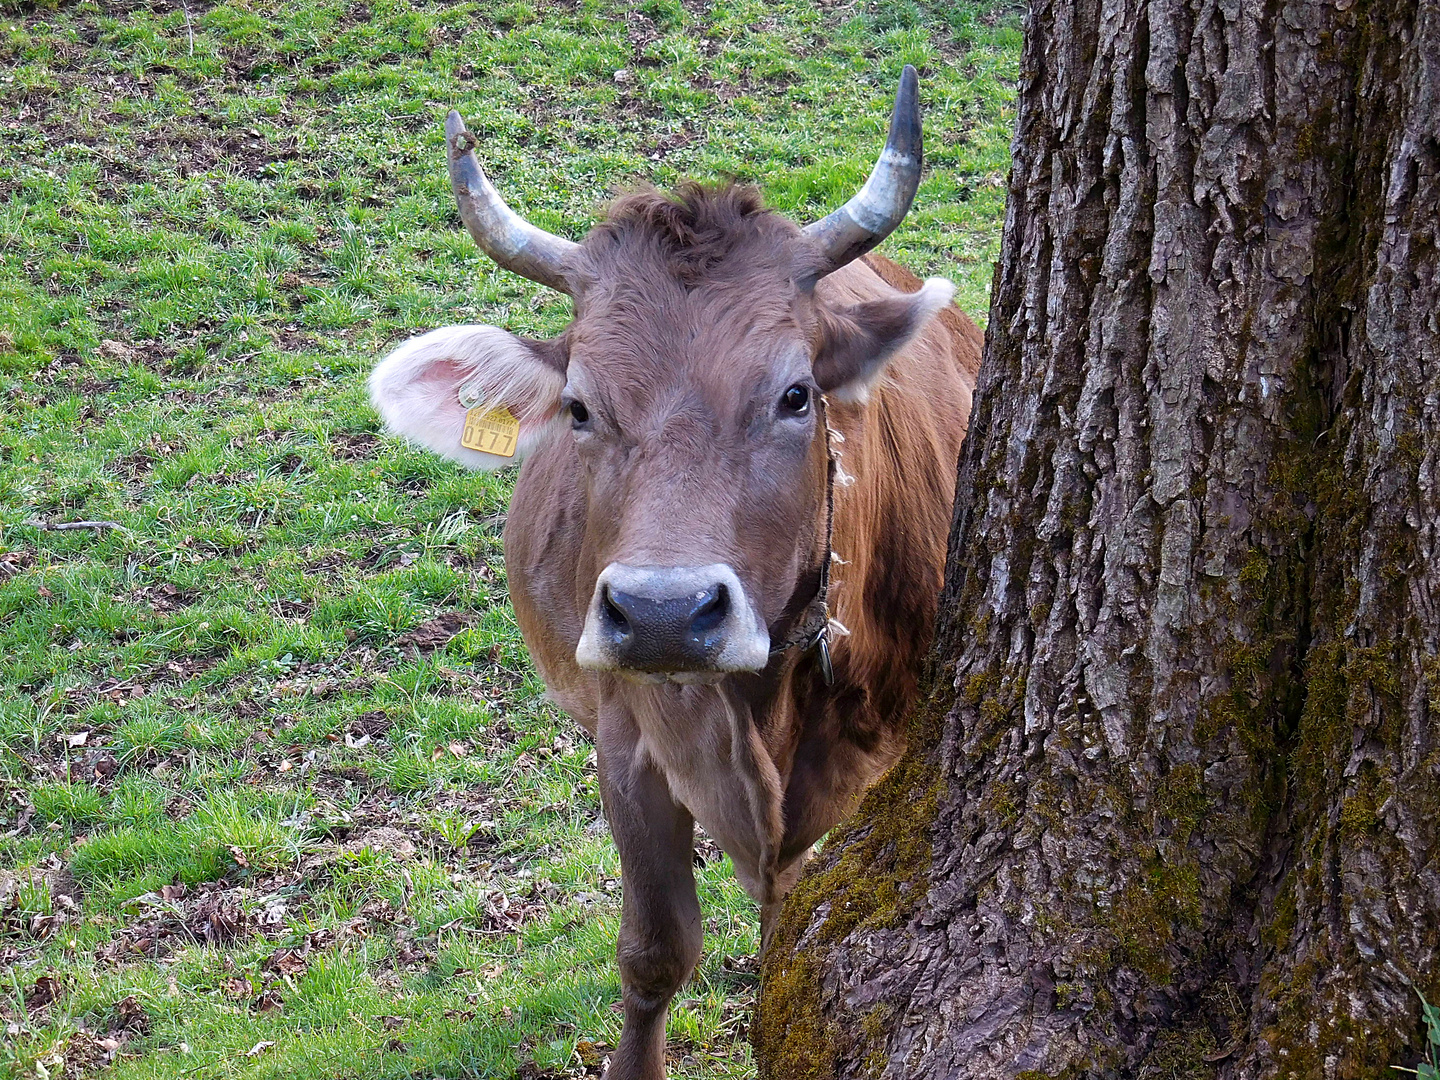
[[373, 725], [164, 598], [435, 633], [353, 445]]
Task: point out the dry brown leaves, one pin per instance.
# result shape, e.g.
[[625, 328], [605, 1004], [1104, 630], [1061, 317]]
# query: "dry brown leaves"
[[288, 962], [213, 912], [350, 445], [130, 1017], [373, 724], [118, 691], [47, 988], [183, 668], [95, 767], [18, 919], [590, 1059], [217, 918], [12, 562], [88, 1050]]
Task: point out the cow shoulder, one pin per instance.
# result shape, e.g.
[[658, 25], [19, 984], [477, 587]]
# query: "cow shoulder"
[[899, 452]]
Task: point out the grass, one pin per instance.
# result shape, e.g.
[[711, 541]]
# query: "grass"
[[1428, 1067], [279, 793]]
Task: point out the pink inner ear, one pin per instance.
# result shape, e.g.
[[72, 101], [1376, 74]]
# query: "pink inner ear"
[[417, 387], [447, 372], [441, 378], [442, 382], [438, 384]]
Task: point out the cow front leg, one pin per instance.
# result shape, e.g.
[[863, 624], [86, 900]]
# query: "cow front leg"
[[770, 912], [660, 929], [769, 919]]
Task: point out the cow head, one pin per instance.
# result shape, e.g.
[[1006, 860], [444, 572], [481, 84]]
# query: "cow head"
[[692, 381]]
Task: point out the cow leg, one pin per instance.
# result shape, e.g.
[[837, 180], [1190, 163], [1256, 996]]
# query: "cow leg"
[[769, 918], [784, 882], [660, 914]]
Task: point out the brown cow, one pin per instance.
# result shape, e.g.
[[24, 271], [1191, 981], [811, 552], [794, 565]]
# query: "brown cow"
[[736, 399]]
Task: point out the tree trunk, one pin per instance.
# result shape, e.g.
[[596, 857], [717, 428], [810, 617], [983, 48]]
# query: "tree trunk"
[[1178, 756]]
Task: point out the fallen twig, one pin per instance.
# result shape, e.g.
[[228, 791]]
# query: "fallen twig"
[[189, 31], [57, 526]]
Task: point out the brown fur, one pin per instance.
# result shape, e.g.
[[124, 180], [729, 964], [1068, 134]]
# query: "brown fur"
[[688, 316], [695, 229]]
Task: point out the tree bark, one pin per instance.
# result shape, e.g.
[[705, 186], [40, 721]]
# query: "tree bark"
[[1171, 806]]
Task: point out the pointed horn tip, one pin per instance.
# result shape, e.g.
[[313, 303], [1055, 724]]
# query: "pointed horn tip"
[[454, 126], [907, 94], [905, 127]]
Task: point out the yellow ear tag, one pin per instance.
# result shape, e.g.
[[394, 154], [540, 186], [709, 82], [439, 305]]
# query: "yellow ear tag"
[[494, 431]]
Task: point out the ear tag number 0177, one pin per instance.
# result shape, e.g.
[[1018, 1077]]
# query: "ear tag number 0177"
[[491, 431]]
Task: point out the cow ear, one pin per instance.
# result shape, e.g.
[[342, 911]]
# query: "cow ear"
[[418, 391], [856, 341]]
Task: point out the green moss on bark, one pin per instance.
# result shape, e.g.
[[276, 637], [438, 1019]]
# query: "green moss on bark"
[[791, 1034], [878, 877], [1148, 913], [1180, 799]]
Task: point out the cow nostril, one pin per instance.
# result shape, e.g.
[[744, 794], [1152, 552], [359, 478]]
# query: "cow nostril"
[[712, 609], [613, 611]]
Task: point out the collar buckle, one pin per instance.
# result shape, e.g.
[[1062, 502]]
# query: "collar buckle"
[[827, 670]]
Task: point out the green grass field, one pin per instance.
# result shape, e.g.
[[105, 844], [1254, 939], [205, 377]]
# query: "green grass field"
[[279, 793]]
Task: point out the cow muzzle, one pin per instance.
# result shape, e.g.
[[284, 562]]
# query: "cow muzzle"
[[686, 623]]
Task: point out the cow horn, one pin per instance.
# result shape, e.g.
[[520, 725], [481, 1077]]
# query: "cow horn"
[[503, 234], [877, 208]]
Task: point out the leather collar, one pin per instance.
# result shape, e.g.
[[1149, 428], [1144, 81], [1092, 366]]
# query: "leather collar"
[[812, 629]]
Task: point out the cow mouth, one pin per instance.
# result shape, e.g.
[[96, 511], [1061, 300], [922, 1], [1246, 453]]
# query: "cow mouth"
[[672, 678], [680, 624]]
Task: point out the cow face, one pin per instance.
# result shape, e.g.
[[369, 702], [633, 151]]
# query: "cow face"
[[694, 413], [692, 384]]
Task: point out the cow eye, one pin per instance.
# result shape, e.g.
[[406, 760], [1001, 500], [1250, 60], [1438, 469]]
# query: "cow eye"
[[796, 399], [579, 413]]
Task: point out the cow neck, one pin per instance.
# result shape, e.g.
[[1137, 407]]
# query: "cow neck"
[[812, 629]]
